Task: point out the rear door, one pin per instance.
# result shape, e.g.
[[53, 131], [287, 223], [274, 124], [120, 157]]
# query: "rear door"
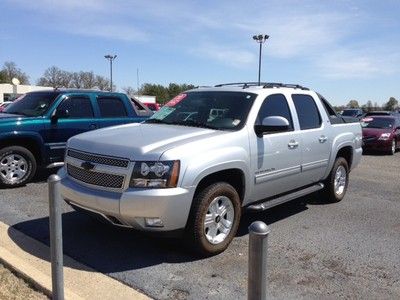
[[316, 136], [114, 111], [276, 157], [80, 119]]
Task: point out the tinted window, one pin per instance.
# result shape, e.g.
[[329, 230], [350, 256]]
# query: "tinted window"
[[32, 104], [111, 107], [307, 111], [78, 107], [275, 105], [376, 122]]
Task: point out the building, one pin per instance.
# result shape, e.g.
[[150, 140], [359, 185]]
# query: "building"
[[10, 91]]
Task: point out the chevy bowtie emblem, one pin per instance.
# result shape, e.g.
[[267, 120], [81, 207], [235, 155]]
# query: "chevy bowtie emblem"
[[87, 165]]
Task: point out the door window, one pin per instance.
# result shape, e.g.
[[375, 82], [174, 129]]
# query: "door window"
[[307, 111], [275, 105], [77, 106], [111, 107]]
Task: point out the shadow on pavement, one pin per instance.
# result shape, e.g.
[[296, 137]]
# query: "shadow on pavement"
[[110, 249]]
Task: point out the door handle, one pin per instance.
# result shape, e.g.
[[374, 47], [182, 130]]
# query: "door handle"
[[323, 139], [293, 144], [92, 126]]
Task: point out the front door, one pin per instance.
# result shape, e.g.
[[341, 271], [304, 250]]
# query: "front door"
[[78, 118], [276, 157]]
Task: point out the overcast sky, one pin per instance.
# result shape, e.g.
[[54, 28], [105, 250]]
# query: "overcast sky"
[[344, 49]]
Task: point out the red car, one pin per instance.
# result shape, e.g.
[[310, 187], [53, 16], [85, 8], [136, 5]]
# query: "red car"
[[152, 106], [381, 133]]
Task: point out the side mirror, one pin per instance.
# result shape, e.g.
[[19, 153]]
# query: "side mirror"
[[60, 114], [272, 124]]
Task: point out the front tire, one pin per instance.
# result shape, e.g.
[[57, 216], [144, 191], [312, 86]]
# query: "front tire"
[[337, 182], [214, 219], [17, 166], [393, 147]]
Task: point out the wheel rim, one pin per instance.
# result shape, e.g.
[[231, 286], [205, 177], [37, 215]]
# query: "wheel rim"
[[393, 146], [340, 180], [219, 219], [13, 168]]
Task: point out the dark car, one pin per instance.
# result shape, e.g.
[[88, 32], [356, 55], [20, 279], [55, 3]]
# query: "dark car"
[[353, 112], [381, 133], [34, 129], [381, 113]]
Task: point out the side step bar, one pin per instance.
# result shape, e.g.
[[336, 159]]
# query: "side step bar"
[[285, 198]]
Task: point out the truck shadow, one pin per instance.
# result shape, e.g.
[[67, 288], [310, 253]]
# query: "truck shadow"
[[108, 249]]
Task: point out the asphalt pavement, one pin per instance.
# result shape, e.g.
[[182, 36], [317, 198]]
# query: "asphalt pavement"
[[346, 250]]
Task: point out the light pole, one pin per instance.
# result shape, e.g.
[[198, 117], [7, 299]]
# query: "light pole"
[[110, 58], [261, 38]]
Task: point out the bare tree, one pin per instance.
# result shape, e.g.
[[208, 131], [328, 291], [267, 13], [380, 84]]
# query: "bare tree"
[[130, 91], [55, 78], [102, 83], [10, 70]]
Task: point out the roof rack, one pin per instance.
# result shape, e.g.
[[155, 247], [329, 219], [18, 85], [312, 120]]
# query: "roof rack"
[[264, 85], [243, 84], [286, 85]]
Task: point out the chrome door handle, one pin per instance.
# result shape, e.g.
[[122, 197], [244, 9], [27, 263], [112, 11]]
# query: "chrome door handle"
[[323, 139], [293, 144]]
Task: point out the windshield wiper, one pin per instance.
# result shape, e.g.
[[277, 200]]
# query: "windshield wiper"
[[17, 113], [156, 121], [194, 124]]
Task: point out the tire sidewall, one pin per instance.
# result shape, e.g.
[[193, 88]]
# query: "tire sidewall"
[[202, 202], [28, 156], [333, 197]]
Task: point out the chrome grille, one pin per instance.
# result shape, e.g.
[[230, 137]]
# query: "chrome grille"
[[96, 178], [104, 160]]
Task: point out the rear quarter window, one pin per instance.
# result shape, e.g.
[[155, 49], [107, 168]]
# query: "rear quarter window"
[[111, 107]]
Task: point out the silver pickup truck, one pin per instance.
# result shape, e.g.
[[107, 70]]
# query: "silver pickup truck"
[[209, 154]]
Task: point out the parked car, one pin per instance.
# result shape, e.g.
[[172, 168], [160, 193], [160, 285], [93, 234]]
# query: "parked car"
[[34, 129], [353, 112], [4, 105], [380, 113], [152, 106], [381, 133], [266, 145]]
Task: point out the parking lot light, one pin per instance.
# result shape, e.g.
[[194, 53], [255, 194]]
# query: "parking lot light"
[[260, 39], [110, 58]]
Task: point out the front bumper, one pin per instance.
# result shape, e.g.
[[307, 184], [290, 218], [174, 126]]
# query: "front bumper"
[[130, 207], [378, 145]]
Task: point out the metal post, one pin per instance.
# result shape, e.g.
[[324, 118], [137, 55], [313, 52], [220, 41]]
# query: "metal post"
[[257, 273], [111, 86], [259, 65], [56, 247]]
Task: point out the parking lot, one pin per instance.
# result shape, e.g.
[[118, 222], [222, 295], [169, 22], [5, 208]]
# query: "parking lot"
[[349, 249]]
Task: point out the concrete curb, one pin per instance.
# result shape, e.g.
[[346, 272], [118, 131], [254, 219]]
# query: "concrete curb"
[[80, 281]]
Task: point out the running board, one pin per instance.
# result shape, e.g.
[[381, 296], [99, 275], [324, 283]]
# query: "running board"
[[285, 198]]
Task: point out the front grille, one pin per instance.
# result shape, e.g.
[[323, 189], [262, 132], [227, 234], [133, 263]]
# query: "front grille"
[[104, 160], [96, 178]]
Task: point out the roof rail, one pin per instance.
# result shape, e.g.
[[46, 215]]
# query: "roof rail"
[[243, 84], [286, 85], [264, 85]]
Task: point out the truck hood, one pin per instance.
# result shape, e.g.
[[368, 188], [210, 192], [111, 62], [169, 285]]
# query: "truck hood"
[[139, 141], [7, 117]]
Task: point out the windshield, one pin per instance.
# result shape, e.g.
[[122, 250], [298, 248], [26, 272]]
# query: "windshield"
[[215, 110], [382, 123], [32, 104], [350, 112]]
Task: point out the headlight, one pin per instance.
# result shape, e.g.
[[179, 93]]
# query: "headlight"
[[384, 136], [155, 174]]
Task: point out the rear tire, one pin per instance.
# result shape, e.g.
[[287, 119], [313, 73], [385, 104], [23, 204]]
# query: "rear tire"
[[17, 166], [214, 219], [337, 182]]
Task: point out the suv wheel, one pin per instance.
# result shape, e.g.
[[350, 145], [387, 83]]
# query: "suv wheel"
[[17, 166], [214, 219], [337, 182]]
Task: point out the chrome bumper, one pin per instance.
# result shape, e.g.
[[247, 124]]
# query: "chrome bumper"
[[130, 207]]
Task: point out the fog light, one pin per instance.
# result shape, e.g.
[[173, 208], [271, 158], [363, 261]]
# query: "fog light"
[[153, 222]]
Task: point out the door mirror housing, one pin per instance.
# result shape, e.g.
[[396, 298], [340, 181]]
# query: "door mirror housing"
[[272, 124], [60, 114]]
